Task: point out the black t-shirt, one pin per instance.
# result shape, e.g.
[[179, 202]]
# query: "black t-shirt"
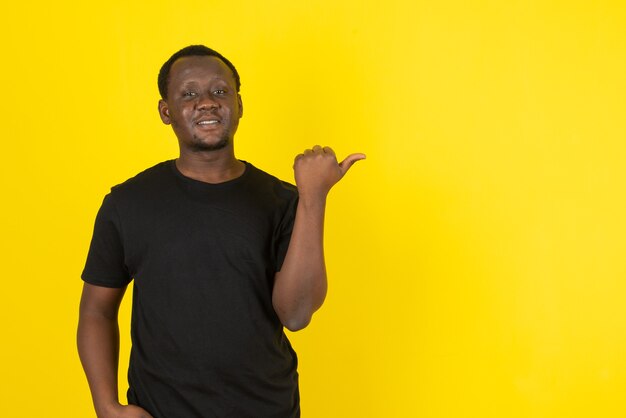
[[206, 341]]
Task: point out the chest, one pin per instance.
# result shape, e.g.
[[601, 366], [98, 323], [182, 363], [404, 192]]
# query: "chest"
[[188, 235]]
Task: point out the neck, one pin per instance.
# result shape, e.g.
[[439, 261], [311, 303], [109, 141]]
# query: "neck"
[[210, 166]]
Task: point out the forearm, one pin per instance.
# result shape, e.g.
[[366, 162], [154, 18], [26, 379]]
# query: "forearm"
[[300, 287], [98, 348]]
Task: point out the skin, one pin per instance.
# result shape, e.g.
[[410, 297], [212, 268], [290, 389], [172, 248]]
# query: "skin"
[[98, 347], [202, 89]]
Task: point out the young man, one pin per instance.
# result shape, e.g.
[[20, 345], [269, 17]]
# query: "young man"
[[222, 255]]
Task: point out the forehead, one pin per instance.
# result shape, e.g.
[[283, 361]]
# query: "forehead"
[[199, 69]]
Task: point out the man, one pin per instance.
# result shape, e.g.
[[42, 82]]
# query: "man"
[[222, 255]]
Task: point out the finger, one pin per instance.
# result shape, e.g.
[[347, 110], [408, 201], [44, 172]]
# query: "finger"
[[349, 160], [295, 160], [308, 151], [317, 149], [329, 150]]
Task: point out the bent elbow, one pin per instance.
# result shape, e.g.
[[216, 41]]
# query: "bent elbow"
[[294, 314], [296, 324], [294, 319]]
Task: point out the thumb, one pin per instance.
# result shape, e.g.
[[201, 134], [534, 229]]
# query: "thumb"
[[345, 165]]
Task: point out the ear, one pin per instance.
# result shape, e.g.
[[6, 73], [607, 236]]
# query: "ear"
[[164, 112], [240, 105]]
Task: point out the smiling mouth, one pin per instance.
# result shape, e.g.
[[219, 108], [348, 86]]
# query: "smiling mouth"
[[208, 122]]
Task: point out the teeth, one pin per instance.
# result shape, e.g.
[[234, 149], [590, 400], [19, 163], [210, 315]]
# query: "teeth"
[[208, 122]]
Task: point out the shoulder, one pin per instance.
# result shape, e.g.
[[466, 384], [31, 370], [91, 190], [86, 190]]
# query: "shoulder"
[[149, 180], [280, 188]]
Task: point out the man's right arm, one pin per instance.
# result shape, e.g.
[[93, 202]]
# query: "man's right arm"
[[98, 347]]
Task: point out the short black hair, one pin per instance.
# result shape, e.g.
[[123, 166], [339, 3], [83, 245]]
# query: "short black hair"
[[191, 51]]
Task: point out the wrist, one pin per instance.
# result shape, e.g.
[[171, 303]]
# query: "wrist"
[[108, 409], [312, 200]]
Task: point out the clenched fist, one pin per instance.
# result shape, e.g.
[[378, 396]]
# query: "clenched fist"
[[316, 171]]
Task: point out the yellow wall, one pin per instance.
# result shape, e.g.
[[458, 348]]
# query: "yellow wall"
[[477, 256]]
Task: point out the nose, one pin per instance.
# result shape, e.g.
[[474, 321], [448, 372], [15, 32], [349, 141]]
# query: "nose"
[[206, 102]]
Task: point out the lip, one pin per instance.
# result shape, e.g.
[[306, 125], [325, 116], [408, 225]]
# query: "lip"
[[208, 121]]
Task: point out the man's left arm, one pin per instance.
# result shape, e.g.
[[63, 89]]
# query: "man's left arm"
[[300, 286]]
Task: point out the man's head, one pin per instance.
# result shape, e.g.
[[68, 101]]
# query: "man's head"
[[191, 51], [201, 101]]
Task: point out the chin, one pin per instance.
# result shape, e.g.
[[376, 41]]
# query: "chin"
[[200, 146]]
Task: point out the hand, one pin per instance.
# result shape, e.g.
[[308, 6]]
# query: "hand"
[[317, 171], [127, 411]]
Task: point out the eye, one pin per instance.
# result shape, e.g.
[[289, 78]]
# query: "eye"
[[190, 94], [220, 92]]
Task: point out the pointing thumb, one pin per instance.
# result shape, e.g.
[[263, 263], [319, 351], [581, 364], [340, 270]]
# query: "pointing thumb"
[[349, 161]]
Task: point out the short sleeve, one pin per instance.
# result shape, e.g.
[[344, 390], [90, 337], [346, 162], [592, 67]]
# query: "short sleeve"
[[105, 264], [283, 232]]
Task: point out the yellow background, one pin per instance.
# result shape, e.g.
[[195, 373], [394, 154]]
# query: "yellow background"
[[476, 257]]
